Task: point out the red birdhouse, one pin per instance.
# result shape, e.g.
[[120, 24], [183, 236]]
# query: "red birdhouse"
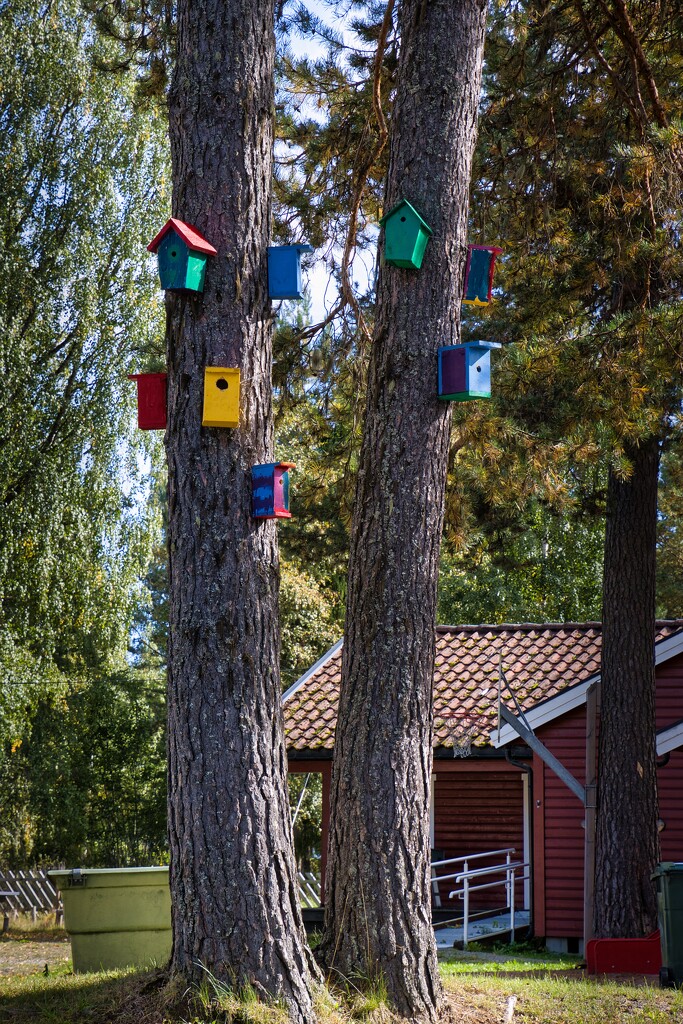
[[151, 400]]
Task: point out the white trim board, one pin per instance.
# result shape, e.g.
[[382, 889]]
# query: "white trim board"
[[311, 671], [670, 739], [574, 696]]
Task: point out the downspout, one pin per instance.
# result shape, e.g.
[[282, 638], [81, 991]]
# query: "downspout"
[[529, 838]]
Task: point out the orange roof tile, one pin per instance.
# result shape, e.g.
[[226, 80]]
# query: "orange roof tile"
[[539, 662]]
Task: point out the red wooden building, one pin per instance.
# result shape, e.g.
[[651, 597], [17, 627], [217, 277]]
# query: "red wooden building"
[[502, 794]]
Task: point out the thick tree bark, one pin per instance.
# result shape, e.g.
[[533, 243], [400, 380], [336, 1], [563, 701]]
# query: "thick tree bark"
[[233, 879], [627, 842], [378, 919]]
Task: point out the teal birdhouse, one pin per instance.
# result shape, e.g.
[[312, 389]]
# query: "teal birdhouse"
[[405, 236], [465, 371], [182, 254]]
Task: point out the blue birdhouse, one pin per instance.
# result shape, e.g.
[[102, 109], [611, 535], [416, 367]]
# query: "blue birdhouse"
[[270, 490], [182, 254], [465, 371], [284, 271], [479, 269], [405, 236]]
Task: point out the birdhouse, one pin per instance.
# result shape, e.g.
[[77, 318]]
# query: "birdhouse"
[[284, 271], [465, 371], [221, 397], [182, 253], [270, 490], [481, 263], [405, 236], [151, 400]]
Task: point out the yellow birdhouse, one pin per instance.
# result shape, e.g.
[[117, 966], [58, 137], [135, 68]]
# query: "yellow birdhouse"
[[221, 397]]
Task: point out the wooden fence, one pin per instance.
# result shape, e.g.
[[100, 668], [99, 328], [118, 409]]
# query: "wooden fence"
[[29, 892], [34, 893]]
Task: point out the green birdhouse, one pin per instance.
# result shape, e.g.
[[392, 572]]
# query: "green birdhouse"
[[182, 254], [405, 236]]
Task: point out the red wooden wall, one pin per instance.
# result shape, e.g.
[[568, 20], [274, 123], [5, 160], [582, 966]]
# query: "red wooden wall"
[[670, 776], [558, 814], [670, 787], [477, 807], [558, 832]]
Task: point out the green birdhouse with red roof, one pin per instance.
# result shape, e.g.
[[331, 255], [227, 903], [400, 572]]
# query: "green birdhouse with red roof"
[[182, 253], [406, 235]]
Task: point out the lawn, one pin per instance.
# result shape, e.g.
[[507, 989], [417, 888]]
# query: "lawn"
[[37, 987]]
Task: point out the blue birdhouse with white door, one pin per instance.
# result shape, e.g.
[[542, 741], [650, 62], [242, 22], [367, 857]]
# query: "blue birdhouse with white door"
[[182, 254], [465, 371], [270, 490], [479, 270], [406, 235], [284, 271]]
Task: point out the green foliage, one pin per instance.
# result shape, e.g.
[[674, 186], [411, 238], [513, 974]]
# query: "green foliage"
[[82, 190], [308, 622], [577, 177], [306, 804], [77, 301], [544, 567], [107, 771]]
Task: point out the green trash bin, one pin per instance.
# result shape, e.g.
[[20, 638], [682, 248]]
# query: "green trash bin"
[[116, 917], [669, 880]]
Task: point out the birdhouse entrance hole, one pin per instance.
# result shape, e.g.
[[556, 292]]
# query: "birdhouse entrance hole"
[[222, 409]]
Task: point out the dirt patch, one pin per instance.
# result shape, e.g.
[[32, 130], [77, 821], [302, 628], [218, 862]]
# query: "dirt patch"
[[27, 957]]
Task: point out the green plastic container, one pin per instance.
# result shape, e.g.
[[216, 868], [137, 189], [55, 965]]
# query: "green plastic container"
[[116, 917], [669, 880]]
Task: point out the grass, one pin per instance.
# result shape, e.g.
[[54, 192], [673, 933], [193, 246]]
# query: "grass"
[[43, 929], [516, 958], [548, 990], [552, 1000]]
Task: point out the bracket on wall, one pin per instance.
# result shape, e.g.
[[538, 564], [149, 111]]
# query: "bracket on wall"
[[523, 729]]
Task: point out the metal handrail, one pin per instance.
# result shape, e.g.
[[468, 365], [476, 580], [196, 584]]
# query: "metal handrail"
[[473, 856], [486, 871], [509, 869], [460, 860]]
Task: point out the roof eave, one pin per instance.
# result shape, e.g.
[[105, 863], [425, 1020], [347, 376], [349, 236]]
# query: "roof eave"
[[575, 696]]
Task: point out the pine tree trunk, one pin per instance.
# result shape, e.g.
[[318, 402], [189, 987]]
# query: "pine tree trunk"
[[627, 842], [233, 878], [378, 917]]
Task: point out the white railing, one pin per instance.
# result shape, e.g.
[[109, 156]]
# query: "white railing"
[[309, 889], [503, 874]]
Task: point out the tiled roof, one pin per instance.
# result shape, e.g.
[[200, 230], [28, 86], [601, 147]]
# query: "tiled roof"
[[539, 661]]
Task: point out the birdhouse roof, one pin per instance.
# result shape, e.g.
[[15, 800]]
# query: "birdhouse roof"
[[400, 206], [190, 236], [482, 344], [285, 465], [299, 246], [495, 249]]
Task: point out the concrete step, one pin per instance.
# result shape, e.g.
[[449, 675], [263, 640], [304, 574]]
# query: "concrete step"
[[481, 929]]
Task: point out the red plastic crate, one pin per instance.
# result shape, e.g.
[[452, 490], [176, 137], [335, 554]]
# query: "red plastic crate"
[[624, 956]]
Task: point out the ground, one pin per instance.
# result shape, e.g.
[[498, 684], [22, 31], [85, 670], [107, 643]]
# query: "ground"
[[518, 985]]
